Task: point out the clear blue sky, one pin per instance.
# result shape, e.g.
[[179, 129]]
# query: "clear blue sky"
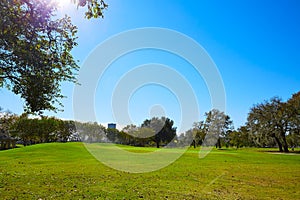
[[255, 45]]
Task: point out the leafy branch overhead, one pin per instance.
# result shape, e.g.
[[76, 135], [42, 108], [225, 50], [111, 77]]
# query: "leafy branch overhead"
[[95, 8], [35, 50]]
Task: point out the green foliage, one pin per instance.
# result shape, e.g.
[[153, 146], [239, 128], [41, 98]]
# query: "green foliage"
[[215, 129], [293, 105], [7, 119], [91, 132], [35, 52], [219, 124], [276, 120], [163, 130], [95, 8], [241, 138], [43, 130], [152, 132]]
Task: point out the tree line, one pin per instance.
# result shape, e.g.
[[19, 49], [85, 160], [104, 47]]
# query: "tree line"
[[43, 129], [272, 123], [152, 132]]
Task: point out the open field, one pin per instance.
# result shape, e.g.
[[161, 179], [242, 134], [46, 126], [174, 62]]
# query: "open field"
[[68, 171]]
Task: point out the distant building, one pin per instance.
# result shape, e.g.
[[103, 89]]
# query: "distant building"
[[112, 125]]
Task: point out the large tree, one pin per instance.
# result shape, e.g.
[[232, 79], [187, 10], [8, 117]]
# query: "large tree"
[[271, 119], [35, 50]]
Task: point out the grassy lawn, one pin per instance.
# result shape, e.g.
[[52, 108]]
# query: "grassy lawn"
[[68, 171]]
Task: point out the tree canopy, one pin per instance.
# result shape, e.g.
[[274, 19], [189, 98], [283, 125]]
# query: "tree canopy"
[[218, 124], [163, 130], [35, 50], [275, 119]]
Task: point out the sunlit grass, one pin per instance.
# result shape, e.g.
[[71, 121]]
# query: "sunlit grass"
[[68, 171]]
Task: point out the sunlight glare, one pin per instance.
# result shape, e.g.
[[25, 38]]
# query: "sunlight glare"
[[62, 3]]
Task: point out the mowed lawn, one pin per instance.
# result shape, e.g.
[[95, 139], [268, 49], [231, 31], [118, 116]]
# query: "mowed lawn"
[[68, 171]]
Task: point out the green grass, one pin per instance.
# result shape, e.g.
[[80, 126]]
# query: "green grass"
[[68, 171]]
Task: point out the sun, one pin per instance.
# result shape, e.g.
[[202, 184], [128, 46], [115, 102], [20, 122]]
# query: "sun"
[[62, 3]]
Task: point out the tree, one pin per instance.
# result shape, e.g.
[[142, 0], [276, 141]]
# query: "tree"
[[41, 130], [163, 129], [199, 132], [130, 134], [271, 119], [241, 138], [7, 119], [189, 138], [143, 136], [196, 134], [91, 132], [218, 125], [113, 135], [35, 50], [65, 130]]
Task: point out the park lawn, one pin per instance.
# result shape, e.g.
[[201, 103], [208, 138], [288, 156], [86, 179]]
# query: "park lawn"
[[68, 171]]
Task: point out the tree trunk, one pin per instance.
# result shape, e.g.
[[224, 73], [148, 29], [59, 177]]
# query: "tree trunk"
[[279, 144], [219, 143], [285, 145], [157, 144]]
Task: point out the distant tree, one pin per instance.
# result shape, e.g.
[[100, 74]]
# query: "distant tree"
[[235, 139], [143, 135], [196, 134], [188, 138], [41, 130], [218, 126], [7, 119], [113, 135], [162, 128], [247, 137], [181, 140], [65, 130], [241, 138], [91, 132], [47, 129], [199, 132], [130, 134]]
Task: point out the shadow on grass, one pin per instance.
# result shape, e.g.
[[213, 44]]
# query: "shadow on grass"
[[276, 151]]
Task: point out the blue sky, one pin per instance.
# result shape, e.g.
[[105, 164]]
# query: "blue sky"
[[254, 44]]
